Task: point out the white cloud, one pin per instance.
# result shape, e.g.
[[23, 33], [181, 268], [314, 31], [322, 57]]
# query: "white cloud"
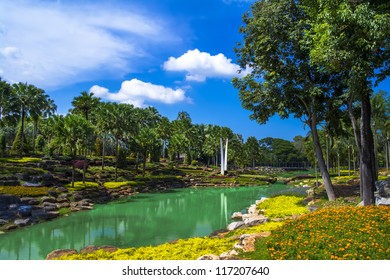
[[202, 65], [54, 44], [136, 92]]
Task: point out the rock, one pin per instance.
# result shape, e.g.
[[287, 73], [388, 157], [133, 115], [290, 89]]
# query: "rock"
[[62, 189], [235, 225], [382, 201], [218, 232], [31, 184], [41, 214], [48, 199], [22, 222], [47, 179], [3, 222], [11, 227], [52, 193], [24, 211], [231, 255], [23, 177], [62, 200], [253, 209], [209, 257], [237, 216], [77, 196], [383, 188], [7, 215], [63, 205], [59, 253], [261, 200], [7, 199], [92, 248], [247, 241], [255, 220], [13, 207]]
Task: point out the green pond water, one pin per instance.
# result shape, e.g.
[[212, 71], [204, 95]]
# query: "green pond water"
[[144, 219]]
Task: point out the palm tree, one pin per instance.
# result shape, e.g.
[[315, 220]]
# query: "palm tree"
[[122, 125], [30, 100], [85, 104], [72, 131], [147, 139]]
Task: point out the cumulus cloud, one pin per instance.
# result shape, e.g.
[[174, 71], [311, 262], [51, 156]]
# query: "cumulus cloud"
[[54, 44], [136, 92], [201, 65]]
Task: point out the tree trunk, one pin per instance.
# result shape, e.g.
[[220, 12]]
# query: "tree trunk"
[[144, 163], [367, 157], [116, 160], [321, 162], [349, 162], [21, 149], [103, 150]]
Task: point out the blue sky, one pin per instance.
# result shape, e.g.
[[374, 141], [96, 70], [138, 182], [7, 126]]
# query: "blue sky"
[[174, 55]]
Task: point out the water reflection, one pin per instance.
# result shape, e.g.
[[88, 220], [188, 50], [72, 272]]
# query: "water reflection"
[[143, 220]]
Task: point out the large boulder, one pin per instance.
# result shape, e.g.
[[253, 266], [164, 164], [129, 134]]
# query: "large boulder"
[[22, 222], [59, 253], [24, 211], [237, 216], [235, 225], [92, 248], [7, 199], [209, 257], [383, 188], [255, 220], [384, 201]]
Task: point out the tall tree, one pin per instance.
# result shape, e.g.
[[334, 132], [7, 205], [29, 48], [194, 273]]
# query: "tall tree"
[[29, 100], [72, 131], [282, 79], [352, 38], [252, 149], [85, 104]]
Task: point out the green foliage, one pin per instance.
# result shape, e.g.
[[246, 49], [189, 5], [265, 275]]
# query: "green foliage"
[[282, 206], [115, 185], [188, 249], [3, 144], [20, 160], [79, 185], [39, 143], [24, 191], [334, 233], [121, 159], [19, 142]]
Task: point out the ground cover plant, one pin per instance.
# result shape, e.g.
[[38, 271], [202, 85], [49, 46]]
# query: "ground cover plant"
[[183, 249]]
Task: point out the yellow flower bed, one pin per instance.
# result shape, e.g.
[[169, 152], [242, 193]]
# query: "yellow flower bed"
[[183, 249], [282, 206], [335, 233]]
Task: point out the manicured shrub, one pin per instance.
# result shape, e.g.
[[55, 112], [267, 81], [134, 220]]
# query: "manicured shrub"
[[282, 206], [79, 185], [115, 185], [24, 191]]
